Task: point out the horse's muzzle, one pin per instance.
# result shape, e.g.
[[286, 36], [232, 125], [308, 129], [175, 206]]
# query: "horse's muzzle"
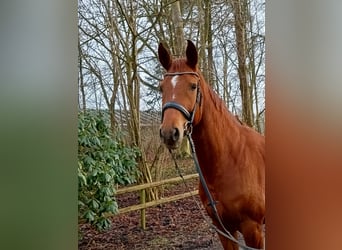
[[171, 137]]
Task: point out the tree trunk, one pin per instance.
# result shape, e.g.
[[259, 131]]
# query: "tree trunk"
[[133, 96], [240, 23], [208, 31], [178, 29], [81, 79]]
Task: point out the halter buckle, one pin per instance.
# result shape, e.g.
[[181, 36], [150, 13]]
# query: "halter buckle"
[[188, 128]]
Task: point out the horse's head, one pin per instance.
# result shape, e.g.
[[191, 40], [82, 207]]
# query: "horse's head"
[[180, 94]]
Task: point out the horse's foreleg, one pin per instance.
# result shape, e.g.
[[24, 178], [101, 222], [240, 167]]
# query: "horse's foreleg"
[[252, 233], [228, 244]]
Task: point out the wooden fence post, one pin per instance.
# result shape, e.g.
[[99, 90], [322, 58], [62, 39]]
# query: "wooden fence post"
[[143, 210]]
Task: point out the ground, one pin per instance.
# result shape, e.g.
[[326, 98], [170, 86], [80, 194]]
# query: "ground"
[[174, 225]]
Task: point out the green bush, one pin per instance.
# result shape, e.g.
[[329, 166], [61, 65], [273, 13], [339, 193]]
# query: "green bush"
[[103, 161]]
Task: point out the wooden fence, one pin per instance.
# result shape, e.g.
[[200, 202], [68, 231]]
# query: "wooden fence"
[[143, 204]]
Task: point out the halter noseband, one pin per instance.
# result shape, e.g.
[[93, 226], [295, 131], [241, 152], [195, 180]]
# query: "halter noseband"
[[188, 115]]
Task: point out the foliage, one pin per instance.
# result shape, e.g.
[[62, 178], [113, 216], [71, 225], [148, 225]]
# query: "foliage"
[[103, 161]]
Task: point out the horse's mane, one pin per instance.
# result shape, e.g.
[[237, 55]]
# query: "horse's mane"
[[178, 64], [220, 105]]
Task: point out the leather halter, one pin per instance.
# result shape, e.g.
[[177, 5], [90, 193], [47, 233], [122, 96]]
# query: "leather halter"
[[189, 115]]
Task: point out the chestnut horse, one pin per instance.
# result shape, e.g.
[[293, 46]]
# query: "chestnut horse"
[[231, 155]]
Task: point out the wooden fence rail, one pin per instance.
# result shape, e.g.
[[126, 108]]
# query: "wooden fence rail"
[[143, 204]]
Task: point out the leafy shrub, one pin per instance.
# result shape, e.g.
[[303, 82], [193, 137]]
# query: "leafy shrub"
[[103, 161]]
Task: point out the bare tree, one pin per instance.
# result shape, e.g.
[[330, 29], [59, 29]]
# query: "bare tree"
[[118, 67], [112, 60]]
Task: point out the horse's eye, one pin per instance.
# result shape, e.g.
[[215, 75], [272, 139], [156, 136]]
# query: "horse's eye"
[[193, 86]]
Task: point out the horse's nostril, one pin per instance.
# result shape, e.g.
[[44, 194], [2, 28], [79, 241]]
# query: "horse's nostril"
[[175, 134]]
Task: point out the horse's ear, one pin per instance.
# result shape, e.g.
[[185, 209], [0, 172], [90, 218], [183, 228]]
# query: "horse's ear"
[[164, 56], [191, 55]]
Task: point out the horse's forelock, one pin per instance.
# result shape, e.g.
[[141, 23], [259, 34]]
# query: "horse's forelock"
[[179, 65]]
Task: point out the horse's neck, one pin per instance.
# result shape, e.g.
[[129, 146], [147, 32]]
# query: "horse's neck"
[[210, 134]]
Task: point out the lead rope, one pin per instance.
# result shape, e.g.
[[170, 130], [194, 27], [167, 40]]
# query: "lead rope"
[[212, 203]]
